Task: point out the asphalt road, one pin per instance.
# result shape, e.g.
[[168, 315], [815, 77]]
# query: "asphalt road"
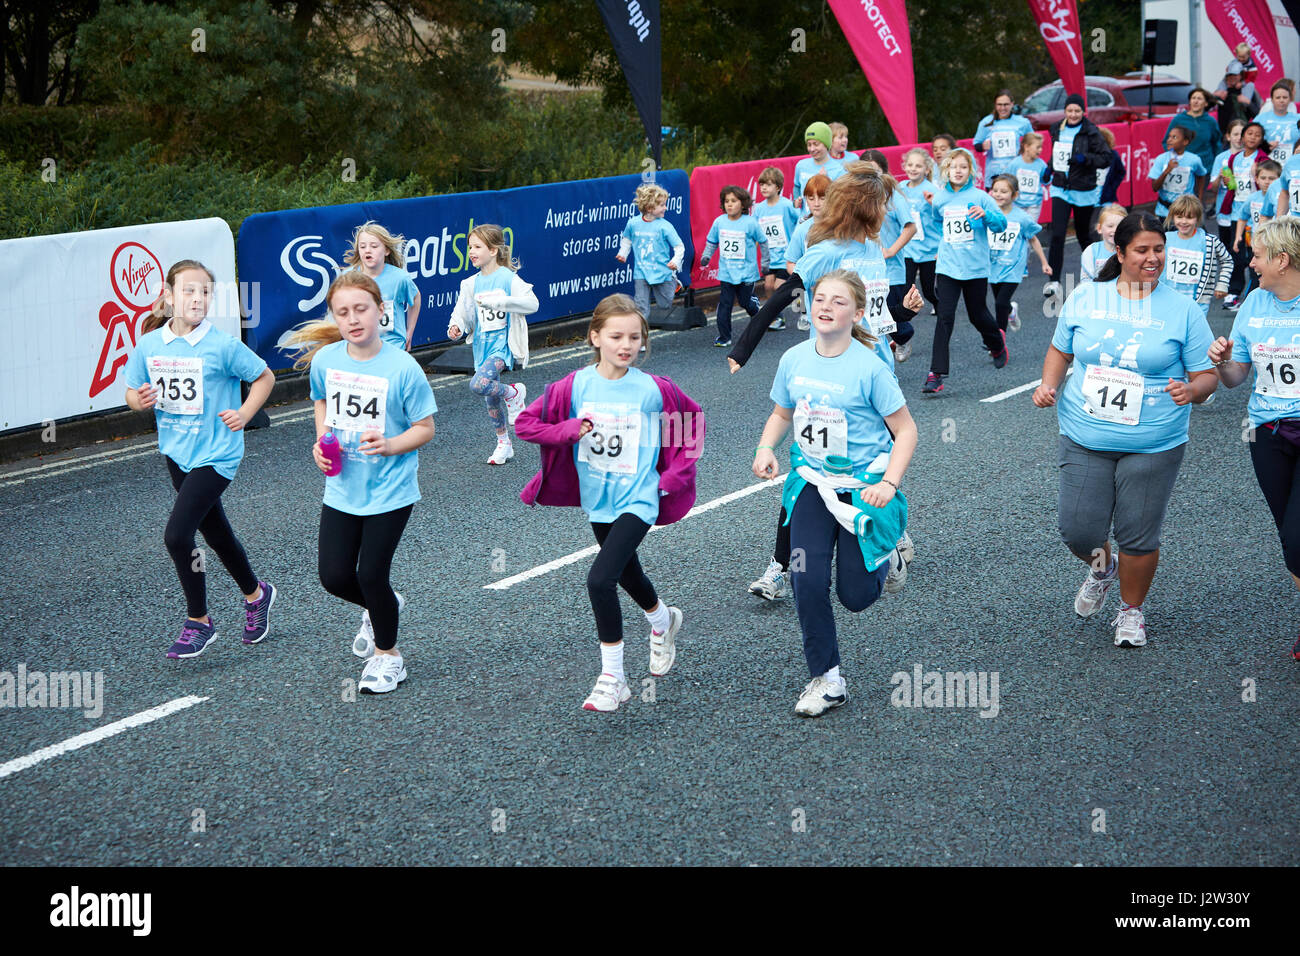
[[484, 756]]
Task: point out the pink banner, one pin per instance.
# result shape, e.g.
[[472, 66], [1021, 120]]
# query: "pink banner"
[[877, 33], [706, 186], [1146, 137], [1250, 22], [1058, 22]]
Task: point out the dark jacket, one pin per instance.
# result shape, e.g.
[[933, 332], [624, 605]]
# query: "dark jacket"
[[1114, 176], [1090, 154]]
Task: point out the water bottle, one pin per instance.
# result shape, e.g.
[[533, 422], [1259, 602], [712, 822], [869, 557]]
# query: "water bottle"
[[1228, 179], [329, 448]]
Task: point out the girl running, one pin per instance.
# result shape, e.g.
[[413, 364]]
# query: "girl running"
[[1271, 314], [853, 441], [777, 219], [380, 254], [1241, 165], [840, 144], [1197, 264], [923, 248], [896, 231], [1221, 184], [744, 253], [1094, 257], [1139, 350], [602, 448], [814, 195], [494, 304], [968, 216], [1009, 252], [1032, 177], [188, 371], [375, 407]]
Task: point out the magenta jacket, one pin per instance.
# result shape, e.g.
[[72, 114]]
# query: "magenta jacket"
[[546, 422]]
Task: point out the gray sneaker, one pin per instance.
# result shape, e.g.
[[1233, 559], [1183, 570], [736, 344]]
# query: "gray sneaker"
[[1092, 593]]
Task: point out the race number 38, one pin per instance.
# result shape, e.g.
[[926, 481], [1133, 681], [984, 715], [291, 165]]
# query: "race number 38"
[[179, 384], [1277, 369], [1113, 394], [355, 402], [614, 440]]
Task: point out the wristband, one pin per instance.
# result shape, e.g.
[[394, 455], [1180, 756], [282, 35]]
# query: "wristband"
[[761, 447], [886, 481]]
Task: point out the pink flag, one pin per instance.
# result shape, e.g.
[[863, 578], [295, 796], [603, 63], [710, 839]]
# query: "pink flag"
[[877, 32], [1250, 22], [1058, 22]]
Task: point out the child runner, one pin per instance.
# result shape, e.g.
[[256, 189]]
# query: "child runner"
[[777, 219], [737, 235], [1009, 252], [1288, 200], [1221, 182], [1242, 167], [657, 247], [853, 441], [491, 309], [968, 215], [840, 144], [380, 254], [376, 402], [1197, 264], [895, 233], [923, 248], [819, 140], [1110, 178], [814, 194], [188, 371], [1177, 171], [1248, 216], [602, 448], [1032, 177], [941, 146], [1094, 257]]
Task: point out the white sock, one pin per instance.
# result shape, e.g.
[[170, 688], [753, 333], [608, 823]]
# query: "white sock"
[[611, 660], [503, 439], [659, 620], [833, 675]]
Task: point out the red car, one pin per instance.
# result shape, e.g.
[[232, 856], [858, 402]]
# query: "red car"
[[1111, 99]]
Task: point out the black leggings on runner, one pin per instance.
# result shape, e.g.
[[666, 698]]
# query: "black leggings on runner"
[[1275, 460], [1082, 231], [926, 270], [356, 555], [975, 292], [1002, 293], [617, 564], [198, 508]]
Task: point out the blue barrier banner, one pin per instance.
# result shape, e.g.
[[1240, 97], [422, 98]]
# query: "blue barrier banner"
[[565, 236]]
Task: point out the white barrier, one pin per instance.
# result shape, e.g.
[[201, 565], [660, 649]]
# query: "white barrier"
[[73, 305]]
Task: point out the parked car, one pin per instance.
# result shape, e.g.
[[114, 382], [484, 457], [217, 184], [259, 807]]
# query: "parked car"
[[1111, 99]]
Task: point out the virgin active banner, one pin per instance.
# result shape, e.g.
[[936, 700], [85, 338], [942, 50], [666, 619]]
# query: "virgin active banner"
[[565, 235]]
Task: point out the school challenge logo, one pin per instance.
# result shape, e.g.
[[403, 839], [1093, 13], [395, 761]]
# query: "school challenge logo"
[[137, 279]]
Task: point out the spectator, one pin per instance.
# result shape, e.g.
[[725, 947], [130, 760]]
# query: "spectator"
[[1235, 99], [1206, 140]]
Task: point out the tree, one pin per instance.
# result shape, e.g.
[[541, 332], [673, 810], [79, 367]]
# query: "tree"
[[36, 47]]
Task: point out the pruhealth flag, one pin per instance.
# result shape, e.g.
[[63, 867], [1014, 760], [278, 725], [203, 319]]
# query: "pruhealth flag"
[[877, 33], [1250, 22]]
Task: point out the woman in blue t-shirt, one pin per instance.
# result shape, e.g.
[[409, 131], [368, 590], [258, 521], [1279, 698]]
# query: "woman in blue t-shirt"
[[1265, 337], [1138, 349]]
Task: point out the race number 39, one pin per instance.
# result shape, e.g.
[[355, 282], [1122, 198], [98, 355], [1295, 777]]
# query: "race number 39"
[[179, 384], [1277, 369], [614, 441], [355, 402]]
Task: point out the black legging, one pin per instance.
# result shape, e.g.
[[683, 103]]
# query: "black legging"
[[617, 564], [1002, 293], [975, 292], [198, 508], [782, 553], [356, 556], [926, 270], [1240, 259], [1275, 461], [1082, 231]]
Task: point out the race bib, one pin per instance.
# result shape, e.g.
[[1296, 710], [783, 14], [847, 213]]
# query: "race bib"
[[1293, 196], [1183, 265], [1113, 394], [1101, 177], [614, 441], [179, 383], [1061, 156], [878, 317], [1005, 241], [1281, 152], [1276, 369], [386, 320], [1002, 144], [774, 229], [1245, 184], [1027, 180], [492, 320], [920, 226], [355, 402], [821, 430], [1178, 181], [731, 244], [956, 227]]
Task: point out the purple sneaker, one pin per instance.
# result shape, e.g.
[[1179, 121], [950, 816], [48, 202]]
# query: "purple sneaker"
[[194, 639], [257, 615]]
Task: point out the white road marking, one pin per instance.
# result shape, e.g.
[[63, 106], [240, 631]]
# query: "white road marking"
[[98, 734], [1022, 388], [576, 556]]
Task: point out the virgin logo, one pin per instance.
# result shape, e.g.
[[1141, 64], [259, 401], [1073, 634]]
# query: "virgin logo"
[[1055, 18], [137, 279]]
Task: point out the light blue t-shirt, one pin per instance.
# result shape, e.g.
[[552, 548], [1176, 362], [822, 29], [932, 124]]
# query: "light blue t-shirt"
[[1256, 206], [1125, 352], [387, 391], [653, 243], [1290, 183], [1268, 208], [839, 403], [867, 259], [798, 240], [1266, 334], [1009, 248], [778, 223], [1281, 130], [1216, 171], [924, 245], [1075, 197], [492, 326], [807, 168], [963, 242], [898, 213], [195, 380], [1181, 180], [618, 460], [400, 293], [1243, 171], [1185, 262], [737, 242], [1032, 179], [1003, 137]]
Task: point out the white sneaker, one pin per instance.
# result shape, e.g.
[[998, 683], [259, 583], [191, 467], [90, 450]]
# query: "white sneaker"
[[382, 674], [773, 585], [897, 576], [363, 645], [663, 647], [1013, 322], [1092, 594], [906, 548], [803, 325], [778, 324], [608, 693], [1130, 627], [504, 452], [819, 696], [1051, 289], [517, 404], [903, 352]]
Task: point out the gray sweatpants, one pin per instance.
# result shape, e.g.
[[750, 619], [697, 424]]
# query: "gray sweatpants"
[[1130, 490]]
